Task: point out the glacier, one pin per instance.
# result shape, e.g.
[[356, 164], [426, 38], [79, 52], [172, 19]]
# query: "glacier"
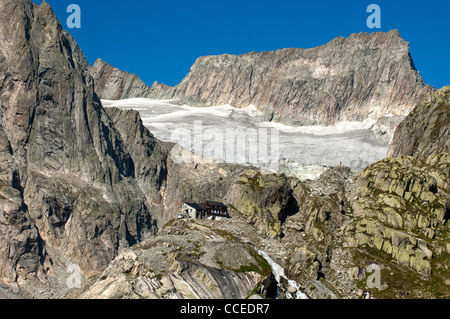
[[304, 152]]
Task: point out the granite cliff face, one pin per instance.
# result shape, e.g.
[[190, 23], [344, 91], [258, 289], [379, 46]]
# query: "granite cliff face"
[[67, 180], [114, 84], [426, 129], [348, 79]]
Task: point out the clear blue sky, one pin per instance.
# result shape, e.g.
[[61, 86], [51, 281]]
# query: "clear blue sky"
[[160, 40]]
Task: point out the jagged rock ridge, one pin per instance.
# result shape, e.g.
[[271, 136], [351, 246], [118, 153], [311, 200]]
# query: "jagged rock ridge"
[[113, 84], [347, 79]]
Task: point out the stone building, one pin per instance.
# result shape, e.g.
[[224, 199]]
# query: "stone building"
[[207, 210]]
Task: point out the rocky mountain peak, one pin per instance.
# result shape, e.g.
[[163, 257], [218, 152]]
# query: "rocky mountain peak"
[[114, 84], [45, 6], [348, 79]]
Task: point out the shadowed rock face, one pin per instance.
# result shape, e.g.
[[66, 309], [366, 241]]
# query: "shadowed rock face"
[[65, 170], [346, 79], [150, 157], [426, 130]]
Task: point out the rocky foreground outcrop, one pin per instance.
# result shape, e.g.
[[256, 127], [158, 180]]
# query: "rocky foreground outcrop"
[[186, 260], [347, 79], [403, 203], [394, 214], [403, 206]]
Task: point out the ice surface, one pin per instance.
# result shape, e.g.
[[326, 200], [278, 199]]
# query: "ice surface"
[[339, 128], [240, 135]]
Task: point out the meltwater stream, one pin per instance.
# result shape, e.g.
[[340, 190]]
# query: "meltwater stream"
[[278, 272]]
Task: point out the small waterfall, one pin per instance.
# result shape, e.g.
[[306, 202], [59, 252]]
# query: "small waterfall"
[[278, 272]]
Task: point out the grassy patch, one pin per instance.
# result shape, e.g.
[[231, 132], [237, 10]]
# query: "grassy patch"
[[262, 263], [225, 234], [402, 282], [248, 268]]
